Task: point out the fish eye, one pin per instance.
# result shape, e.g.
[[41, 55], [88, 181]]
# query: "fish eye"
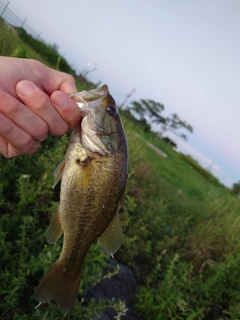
[[111, 110]]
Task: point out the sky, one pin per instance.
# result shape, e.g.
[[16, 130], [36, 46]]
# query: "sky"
[[184, 54]]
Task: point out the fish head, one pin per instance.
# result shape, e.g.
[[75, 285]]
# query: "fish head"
[[101, 129]]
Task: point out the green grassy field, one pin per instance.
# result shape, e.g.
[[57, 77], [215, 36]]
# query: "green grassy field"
[[181, 230]]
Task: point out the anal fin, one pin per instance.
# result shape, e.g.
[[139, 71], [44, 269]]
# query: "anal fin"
[[112, 238]]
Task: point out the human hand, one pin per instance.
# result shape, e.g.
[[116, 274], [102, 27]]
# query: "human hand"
[[34, 103]]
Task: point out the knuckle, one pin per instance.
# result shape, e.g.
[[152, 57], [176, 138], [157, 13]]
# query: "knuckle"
[[42, 102], [6, 105], [67, 78], [35, 63], [5, 152], [3, 96], [7, 128], [4, 148], [71, 78], [42, 131], [28, 146], [32, 149]]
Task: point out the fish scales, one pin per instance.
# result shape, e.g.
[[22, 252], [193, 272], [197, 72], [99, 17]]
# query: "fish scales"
[[86, 219], [84, 238]]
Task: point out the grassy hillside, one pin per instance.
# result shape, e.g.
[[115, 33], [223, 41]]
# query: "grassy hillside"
[[184, 232], [181, 230]]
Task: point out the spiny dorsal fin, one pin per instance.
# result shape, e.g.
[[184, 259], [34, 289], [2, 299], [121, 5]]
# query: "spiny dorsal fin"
[[58, 172], [54, 230], [112, 238]]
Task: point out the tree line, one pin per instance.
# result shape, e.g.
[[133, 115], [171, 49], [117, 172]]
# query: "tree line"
[[147, 112]]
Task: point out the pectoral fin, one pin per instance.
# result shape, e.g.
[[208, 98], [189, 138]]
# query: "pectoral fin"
[[112, 238], [58, 173], [54, 230]]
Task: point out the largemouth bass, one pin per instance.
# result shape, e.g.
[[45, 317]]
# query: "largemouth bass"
[[94, 176]]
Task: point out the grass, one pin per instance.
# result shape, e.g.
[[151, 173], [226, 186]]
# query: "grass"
[[181, 230], [27, 205], [184, 225], [12, 45]]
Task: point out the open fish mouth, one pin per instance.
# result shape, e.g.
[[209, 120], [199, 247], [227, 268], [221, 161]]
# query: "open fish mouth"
[[95, 94], [94, 126], [82, 98], [93, 103]]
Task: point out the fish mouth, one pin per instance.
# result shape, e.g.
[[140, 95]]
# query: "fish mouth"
[[95, 94], [87, 101], [82, 98], [94, 128]]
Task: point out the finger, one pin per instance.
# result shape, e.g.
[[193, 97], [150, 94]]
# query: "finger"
[[59, 81], [67, 108], [22, 116], [13, 140], [51, 80], [7, 150], [39, 102], [68, 85]]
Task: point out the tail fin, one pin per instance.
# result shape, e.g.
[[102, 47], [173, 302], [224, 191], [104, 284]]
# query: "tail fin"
[[60, 286]]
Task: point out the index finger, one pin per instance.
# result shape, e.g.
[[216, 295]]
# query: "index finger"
[[67, 108], [51, 80]]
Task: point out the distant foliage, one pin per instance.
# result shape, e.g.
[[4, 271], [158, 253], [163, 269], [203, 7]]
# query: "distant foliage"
[[8, 39], [236, 189], [141, 123], [151, 112], [50, 54], [146, 108], [196, 166], [173, 123], [169, 141]]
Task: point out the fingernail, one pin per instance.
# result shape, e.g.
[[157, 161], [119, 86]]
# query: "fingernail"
[[25, 88]]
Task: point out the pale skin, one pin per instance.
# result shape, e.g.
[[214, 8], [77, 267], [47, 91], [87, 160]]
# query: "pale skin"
[[34, 103]]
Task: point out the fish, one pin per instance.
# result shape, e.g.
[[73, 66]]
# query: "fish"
[[93, 180]]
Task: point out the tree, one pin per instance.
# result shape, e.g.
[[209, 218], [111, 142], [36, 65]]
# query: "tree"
[[142, 123], [174, 123], [138, 109], [154, 110], [148, 109]]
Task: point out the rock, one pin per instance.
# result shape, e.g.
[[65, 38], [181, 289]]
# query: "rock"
[[121, 286]]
